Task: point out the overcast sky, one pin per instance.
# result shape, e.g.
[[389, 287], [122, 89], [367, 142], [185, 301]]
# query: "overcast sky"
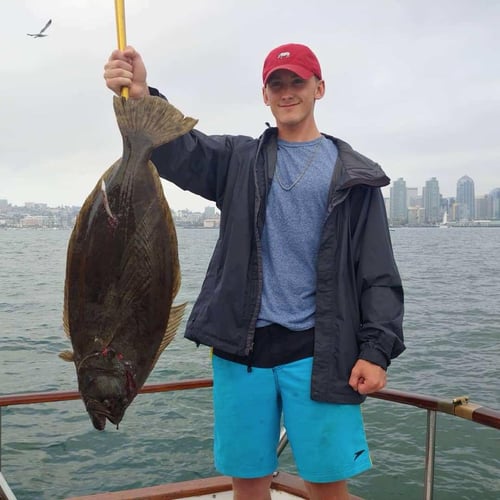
[[413, 84]]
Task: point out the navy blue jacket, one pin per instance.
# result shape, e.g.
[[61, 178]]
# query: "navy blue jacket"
[[359, 300]]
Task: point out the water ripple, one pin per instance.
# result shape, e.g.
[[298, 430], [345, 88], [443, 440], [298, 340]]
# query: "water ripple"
[[51, 451]]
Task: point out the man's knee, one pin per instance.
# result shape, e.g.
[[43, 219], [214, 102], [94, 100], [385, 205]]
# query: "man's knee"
[[327, 491], [252, 489]]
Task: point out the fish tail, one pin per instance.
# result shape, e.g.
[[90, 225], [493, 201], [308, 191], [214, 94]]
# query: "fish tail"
[[151, 118]]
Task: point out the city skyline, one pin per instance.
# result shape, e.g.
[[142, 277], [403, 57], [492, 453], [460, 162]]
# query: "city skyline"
[[421, 186], [201, 203], [406, 207], [41, 215]]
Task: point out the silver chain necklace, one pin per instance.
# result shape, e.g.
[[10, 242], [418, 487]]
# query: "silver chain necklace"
[[298, 179]]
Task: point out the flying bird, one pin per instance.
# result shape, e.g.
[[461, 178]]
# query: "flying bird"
[[41, 33]]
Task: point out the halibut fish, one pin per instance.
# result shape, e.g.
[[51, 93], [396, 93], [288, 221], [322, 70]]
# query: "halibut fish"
[[122, 268]]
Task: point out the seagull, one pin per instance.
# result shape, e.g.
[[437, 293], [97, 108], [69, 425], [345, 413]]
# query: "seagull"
[[41, 33]]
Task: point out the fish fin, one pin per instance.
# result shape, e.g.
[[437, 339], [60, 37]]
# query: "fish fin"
[[66, 323], [177, 282], [174, 320], [67, 355], [65, 312], [151, 118]]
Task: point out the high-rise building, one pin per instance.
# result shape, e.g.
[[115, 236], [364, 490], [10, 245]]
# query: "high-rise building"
[[432, 201], [482, 207], [399, 203], [494, 197], [413, 199], [465, 198]]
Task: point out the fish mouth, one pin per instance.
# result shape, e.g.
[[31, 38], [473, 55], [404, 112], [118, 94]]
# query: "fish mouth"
[[99, 412], [98, 421]]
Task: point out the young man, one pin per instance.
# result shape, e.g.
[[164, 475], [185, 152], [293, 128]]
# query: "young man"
[[302, 301]]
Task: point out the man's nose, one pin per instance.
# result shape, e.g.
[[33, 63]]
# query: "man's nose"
[[286, 91]]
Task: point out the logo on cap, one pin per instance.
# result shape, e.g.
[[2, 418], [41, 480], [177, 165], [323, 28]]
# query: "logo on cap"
[[282, 55]]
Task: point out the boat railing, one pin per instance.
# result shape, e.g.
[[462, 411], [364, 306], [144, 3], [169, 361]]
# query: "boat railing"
[[459, 407]]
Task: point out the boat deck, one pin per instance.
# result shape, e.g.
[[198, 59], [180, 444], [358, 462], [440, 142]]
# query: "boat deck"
[[284, 486]]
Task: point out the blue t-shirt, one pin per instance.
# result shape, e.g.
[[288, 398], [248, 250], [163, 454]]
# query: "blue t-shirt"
[[295, 214]]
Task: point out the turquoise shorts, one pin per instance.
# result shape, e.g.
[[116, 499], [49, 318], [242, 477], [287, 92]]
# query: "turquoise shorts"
[[327, 440]]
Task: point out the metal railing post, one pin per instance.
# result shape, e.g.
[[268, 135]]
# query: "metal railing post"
[[282, 442], [430, 447]]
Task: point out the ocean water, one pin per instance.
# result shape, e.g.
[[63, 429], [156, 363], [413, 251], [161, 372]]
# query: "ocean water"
[[452, 329]]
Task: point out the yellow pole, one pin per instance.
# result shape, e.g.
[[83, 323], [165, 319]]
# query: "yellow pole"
[[120, 31]]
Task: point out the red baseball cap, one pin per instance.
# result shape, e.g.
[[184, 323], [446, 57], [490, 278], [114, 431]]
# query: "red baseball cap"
[[294, 57]]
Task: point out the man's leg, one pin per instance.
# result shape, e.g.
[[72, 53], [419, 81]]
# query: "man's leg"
[[252, 489], [247, 414], [327, 439], [327, 491]]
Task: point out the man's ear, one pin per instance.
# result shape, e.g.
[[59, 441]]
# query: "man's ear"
[[320, 89], [264, 96]]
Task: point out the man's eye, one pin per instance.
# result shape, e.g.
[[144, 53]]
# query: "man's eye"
[[276, 84], [298, 82]]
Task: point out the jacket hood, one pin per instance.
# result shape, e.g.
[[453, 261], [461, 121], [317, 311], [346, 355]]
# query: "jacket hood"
[[356, 168]]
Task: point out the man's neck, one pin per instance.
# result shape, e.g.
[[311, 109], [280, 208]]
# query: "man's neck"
[[298, 133]]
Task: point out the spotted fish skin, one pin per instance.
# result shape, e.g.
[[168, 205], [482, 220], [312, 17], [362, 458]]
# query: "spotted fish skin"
[[122, 267]]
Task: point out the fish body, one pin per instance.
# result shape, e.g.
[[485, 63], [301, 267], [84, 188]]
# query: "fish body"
[[122, 268]]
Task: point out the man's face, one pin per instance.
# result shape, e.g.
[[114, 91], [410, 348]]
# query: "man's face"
[[292, 98]]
